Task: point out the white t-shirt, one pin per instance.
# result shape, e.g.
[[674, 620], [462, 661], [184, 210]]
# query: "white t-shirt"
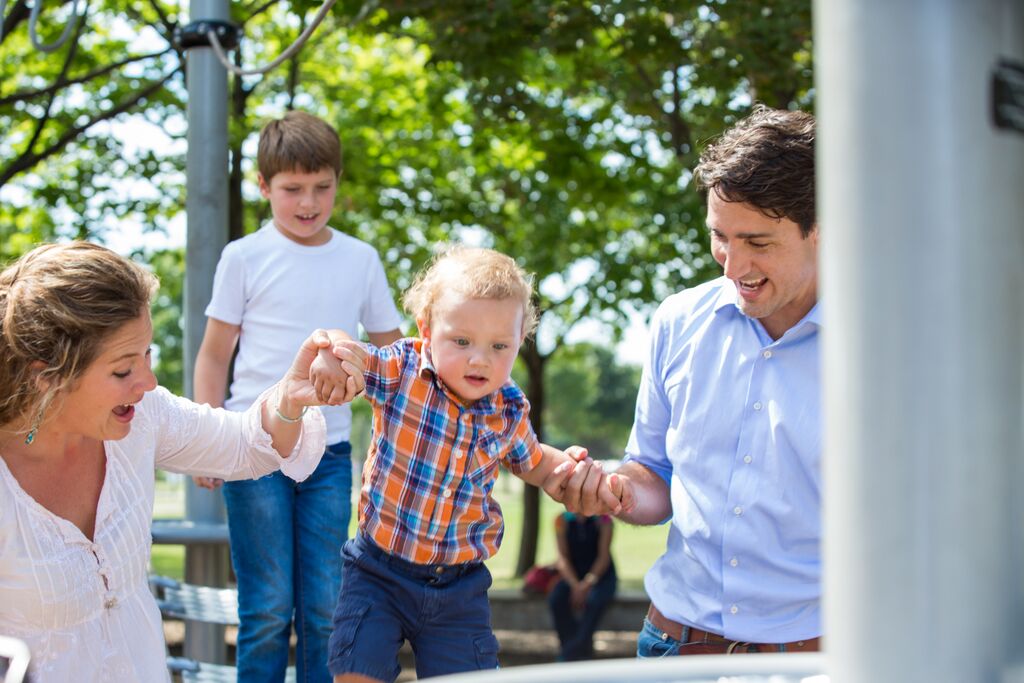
[[279, 291]]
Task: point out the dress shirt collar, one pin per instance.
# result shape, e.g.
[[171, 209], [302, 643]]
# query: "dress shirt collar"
[[727, 299]]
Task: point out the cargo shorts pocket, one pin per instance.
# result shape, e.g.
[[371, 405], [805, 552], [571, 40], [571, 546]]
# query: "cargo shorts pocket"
[[486, 651], [347, 618]]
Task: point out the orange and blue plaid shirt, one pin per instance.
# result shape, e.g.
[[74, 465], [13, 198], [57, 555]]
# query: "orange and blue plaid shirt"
[[433, 461]]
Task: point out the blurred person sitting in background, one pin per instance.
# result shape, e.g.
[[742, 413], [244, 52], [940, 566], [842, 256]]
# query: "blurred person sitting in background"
[[587, 585]]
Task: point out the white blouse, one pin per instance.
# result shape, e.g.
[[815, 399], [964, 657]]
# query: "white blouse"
[[84, 608]]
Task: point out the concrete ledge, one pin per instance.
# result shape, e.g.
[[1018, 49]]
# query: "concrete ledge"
[[514, 610]]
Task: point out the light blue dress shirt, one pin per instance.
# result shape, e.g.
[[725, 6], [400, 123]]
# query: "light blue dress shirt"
[[731, 420]]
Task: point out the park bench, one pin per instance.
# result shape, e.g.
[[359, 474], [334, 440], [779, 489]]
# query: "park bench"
[[514, 610], [203, 604]]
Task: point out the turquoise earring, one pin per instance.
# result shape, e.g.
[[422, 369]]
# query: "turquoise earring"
[[31, 436]]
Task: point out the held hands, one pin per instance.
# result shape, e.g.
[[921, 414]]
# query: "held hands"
[[585, 488], [336, 372], [578, 595], [303, 386]]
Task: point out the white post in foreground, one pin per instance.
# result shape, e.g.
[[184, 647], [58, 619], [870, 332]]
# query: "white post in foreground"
[[922, 217]]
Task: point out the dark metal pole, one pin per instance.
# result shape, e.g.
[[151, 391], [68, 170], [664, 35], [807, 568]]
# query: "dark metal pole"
[[207, 210]]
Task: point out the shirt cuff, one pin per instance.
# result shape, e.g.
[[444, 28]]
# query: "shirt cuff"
[[310, 447]]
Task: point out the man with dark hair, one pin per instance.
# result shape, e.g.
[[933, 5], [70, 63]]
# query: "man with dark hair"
[[726, 443]]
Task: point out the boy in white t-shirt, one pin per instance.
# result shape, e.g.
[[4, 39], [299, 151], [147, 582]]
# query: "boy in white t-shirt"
[[272, 287]]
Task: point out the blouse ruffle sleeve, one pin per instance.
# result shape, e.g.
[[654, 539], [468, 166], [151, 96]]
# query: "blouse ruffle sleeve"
[[199, 440]]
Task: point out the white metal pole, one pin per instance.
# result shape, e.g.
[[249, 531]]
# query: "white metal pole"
[[922, 218], [207, 211]]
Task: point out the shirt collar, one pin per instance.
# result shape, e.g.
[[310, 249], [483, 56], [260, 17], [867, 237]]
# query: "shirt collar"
[[727, 297]]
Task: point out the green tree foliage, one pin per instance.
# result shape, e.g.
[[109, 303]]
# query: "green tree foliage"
[[586, 120], [592, 399], [62, 170], [168, 265], [561, 132]]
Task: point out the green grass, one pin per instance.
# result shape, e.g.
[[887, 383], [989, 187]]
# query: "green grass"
[[634, 548]]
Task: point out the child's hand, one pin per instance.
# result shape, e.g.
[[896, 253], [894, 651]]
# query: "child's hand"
[[330, 379], [591, 491], [352, 355], [336, 373], [297, 388], [554, 484]]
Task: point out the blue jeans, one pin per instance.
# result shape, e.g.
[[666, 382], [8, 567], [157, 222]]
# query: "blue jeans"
[[442, 610], [286, 543], [652, 643], [576, 631]]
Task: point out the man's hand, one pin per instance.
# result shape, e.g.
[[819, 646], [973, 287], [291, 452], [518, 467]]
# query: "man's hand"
[[591, 491], [581, 478]]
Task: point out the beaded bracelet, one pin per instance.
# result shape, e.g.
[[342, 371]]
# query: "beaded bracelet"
[[290, 420]]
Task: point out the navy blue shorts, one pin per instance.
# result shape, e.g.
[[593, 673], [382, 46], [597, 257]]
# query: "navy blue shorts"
[[442, 610]]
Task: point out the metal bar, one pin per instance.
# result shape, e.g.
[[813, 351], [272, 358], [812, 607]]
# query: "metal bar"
[[207, 211], [186, 532]]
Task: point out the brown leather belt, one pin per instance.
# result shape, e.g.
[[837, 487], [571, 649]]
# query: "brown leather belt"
[[674, 630]]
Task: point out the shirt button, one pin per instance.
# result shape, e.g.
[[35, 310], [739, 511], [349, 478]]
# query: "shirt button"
[[734, 609], [110, 603], [447, 493], [458, 454], [737, 510], [747, 459], [733, 562], [757, 405], [767, 354]]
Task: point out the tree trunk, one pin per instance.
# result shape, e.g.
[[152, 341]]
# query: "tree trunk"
[[531, 494], [236, 210]]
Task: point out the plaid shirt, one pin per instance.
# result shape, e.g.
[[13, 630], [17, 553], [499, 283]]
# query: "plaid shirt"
[[433, 461]]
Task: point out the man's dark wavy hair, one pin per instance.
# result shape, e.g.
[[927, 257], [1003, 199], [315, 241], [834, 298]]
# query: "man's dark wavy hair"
[[765, 160]]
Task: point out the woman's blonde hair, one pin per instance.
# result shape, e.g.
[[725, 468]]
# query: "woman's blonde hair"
[[475, 273], [58, 304]]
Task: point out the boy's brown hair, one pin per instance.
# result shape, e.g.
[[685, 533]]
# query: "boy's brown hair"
[[298, 142], [475, 273]]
